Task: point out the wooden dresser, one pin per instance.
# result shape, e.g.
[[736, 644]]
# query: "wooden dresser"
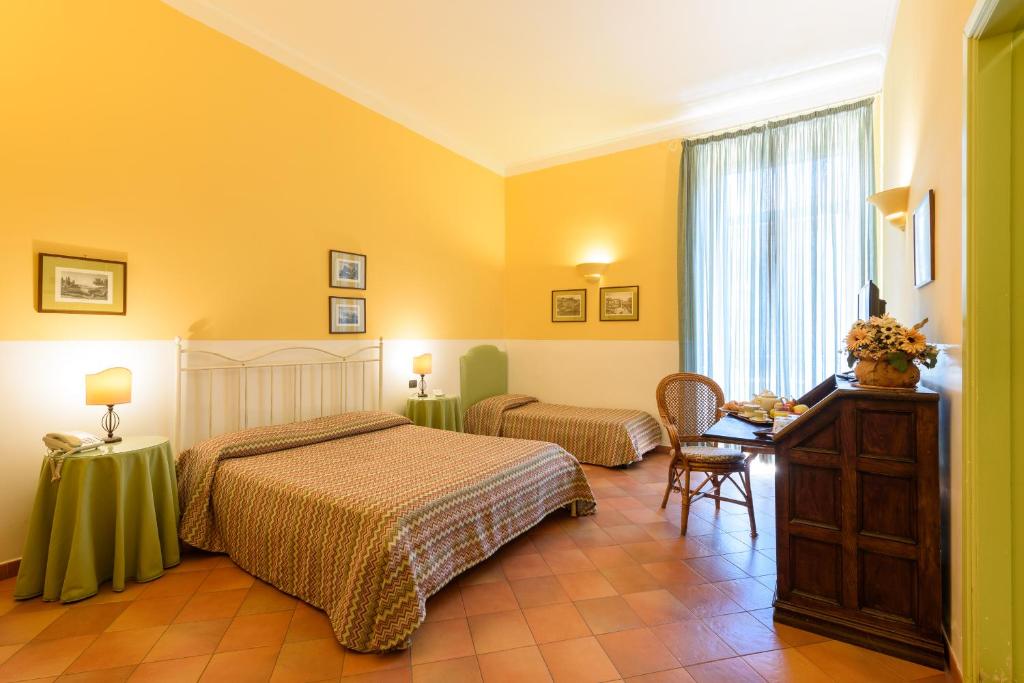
[[857, 517]]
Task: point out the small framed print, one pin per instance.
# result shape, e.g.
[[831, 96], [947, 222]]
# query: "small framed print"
[[348, 315], [71, 284], [569, 306], [620, 303], [924, 234], [348, 270]]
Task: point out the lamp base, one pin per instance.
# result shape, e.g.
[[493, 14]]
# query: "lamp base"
[[423, 387], [109, 422]]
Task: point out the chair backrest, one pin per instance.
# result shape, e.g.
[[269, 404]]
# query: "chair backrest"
[[689, 405]]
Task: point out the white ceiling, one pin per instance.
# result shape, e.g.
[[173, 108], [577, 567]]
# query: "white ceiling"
[[517, 85]]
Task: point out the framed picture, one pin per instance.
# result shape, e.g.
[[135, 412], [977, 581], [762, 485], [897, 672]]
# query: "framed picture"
[[71, 284], [348, 315], [569, 306], [348, 270], [924, 235], [620, 303]]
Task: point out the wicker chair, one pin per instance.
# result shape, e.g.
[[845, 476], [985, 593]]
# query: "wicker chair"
[[689, 405]]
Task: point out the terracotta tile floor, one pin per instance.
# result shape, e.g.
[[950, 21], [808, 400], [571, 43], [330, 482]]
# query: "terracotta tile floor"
[[615, 596]]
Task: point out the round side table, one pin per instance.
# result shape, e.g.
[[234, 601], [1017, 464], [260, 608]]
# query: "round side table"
[[112, 515], [439, 412]]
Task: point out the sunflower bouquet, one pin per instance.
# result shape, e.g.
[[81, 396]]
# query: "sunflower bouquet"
[[883, 338]]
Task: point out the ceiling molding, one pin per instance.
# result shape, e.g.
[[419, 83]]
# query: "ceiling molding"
[[854, 78], [216, 18]]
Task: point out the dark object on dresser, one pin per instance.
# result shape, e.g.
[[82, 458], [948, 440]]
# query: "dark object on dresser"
[[870, 301], [857, 518]]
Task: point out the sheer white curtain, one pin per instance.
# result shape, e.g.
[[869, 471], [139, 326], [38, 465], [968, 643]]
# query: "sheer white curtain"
[[776, 239]]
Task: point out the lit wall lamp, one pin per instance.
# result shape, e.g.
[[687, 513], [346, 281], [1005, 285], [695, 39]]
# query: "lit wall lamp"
[[893, 205], [592, 272]]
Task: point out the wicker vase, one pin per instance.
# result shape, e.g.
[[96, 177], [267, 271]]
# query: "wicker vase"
[[880, 373]]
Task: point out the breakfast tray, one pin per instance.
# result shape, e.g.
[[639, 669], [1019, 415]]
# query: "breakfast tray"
[[748, 420]]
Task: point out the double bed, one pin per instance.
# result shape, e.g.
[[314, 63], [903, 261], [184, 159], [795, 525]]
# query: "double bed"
[[597, 436], [365, 515]]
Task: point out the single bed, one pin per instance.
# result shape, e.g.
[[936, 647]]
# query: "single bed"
[[365, 515], [597, 436]]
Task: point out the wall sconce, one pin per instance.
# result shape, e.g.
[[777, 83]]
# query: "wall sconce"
[[592, 272], [893, 204]]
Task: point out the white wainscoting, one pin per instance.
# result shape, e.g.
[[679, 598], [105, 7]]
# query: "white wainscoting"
[[44, 388], [398, 354], [600, 374], [947, 379]]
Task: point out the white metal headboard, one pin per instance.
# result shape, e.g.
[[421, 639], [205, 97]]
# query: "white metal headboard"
[[215, 393]]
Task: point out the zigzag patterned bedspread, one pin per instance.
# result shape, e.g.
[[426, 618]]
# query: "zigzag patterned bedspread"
[[598, 436], [365, 515]]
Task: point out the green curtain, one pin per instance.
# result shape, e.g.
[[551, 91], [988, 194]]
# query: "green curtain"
[[776, 239]]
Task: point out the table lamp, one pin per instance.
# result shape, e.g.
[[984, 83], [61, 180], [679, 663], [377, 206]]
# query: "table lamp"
[[110, 387], [422, 365]]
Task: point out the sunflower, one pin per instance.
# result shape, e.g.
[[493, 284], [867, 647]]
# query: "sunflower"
[[857, 338], [914, 342], [888, 337], [881, 337]]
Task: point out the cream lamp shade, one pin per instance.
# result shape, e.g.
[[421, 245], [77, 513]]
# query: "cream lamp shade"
[[893, 204], [422, 364], [110, 387], [592, 272]]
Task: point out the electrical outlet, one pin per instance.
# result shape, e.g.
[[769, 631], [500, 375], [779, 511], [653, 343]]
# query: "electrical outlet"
[[413, 384]]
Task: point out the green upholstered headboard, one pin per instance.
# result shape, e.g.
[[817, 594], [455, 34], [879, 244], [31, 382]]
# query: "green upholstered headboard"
[[483, 373]]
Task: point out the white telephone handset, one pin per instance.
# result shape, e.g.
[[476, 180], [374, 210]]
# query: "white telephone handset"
[[69, 443]]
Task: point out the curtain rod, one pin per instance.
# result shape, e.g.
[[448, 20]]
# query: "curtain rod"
[[787, 118]]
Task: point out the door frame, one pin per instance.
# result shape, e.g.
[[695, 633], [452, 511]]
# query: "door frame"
[[993, 382]]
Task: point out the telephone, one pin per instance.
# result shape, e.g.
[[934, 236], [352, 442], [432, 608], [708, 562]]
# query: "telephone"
[[69, 443]]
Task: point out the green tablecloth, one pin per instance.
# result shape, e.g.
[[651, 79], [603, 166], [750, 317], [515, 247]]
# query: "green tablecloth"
[[440, 412], [113, 514]]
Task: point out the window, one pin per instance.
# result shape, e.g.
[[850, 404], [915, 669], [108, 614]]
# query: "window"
[[775, 242]]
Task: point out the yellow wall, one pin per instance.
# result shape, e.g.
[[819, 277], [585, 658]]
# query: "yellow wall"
[[922, 123], [624, 204], [224, 178], [621, 206]]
